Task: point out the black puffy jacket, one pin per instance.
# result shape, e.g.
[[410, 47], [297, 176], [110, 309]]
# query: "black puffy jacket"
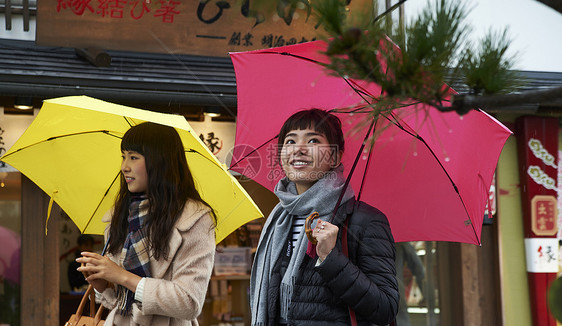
[[364, 281]]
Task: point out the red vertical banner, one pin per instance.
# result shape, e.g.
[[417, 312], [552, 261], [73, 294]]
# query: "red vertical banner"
[[537, 142]]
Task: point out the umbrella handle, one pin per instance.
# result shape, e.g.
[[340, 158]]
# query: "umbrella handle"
[[308, 229]]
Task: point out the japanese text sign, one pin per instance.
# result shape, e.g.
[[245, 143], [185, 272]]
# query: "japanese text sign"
[[199, 27]]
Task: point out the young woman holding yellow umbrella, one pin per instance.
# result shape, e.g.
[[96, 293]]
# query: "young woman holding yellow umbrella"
[[161, 239]]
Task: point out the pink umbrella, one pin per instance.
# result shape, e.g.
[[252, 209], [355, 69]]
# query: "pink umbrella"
[[10, 255], [428, 171]]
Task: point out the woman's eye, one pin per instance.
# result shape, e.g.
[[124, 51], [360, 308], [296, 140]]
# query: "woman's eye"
[[314, 141], [289, 141]]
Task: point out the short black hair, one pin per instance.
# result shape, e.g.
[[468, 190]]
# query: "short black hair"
[[321, 121]]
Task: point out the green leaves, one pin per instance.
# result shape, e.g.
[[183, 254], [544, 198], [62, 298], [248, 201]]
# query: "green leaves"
[[436, 35], [489, 69], [433, 45]]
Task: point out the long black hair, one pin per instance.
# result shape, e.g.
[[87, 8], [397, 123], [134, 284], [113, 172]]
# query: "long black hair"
[[170, 185]]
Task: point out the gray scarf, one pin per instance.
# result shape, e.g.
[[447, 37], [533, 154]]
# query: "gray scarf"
[[321, 197]]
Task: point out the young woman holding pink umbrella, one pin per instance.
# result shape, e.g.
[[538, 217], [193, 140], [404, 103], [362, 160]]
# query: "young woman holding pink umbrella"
[[296, 283]]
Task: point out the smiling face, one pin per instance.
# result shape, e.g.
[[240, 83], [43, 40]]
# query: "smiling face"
[[306, 156], [133, 168]]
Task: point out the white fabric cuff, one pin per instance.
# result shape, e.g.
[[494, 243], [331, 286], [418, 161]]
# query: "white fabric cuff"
[[140, 290], [98, 296], [319, 261]]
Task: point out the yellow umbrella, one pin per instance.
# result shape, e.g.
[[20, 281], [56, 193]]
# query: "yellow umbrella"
[[72, 151]]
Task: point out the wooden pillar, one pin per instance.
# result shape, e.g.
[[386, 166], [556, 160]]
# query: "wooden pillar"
[[489, 276], [471, 293], [469, 282], [39, 264], [450, 284]]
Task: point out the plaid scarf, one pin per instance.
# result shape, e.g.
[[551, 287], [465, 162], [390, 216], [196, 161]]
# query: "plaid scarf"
[[135, 255]]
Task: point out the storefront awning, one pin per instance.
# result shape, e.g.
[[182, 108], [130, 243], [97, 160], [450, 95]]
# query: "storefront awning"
[[163, 79], [170, 82]]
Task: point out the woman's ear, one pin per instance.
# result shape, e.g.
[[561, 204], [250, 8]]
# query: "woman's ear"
[[337, 158]]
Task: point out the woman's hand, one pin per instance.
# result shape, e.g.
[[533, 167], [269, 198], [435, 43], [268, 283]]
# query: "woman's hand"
[[100, 270], [326, 234]]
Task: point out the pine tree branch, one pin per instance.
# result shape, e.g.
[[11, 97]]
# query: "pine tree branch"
[[464, 103]]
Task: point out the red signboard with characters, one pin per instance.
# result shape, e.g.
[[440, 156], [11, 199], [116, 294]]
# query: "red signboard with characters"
[[544, 219], [537, 140]]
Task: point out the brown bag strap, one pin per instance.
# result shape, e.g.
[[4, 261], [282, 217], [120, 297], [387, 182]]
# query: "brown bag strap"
[[97, 318], [89, 294], [92, 301]]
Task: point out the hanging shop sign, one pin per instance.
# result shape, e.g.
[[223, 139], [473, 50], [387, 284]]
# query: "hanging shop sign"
[[217, 135], [537, 140], [200, 27]]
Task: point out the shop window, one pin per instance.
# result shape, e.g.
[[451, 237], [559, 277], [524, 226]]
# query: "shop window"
[[10, 248], [417, 273]]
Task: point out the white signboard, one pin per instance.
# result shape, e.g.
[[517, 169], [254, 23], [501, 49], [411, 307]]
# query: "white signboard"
[[542, 255], [218, 136]]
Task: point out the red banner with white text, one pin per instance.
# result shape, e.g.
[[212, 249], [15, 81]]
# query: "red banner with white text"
[[537, 140]]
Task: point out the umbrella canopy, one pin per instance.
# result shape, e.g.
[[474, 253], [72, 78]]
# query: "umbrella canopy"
[[72, 151], [428, 171]]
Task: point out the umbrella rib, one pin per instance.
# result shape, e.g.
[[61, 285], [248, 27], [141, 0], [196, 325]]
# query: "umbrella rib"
[[99, 204], [368, 160], [107, 132], [129, 122], [191, 150], [348, 179], [420, 138], [295, 56], [252, 152]]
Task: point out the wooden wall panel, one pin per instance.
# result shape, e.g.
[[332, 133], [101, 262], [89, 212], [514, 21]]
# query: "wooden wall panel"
[[40, 285]]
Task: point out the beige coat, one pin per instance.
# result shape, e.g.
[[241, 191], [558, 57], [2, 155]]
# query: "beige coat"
[[175, 293]]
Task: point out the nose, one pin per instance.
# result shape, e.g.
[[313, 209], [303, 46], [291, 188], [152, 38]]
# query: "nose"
[[125, 165], [300, 148]]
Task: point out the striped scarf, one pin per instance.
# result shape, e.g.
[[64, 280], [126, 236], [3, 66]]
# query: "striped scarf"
[[134, 256]]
